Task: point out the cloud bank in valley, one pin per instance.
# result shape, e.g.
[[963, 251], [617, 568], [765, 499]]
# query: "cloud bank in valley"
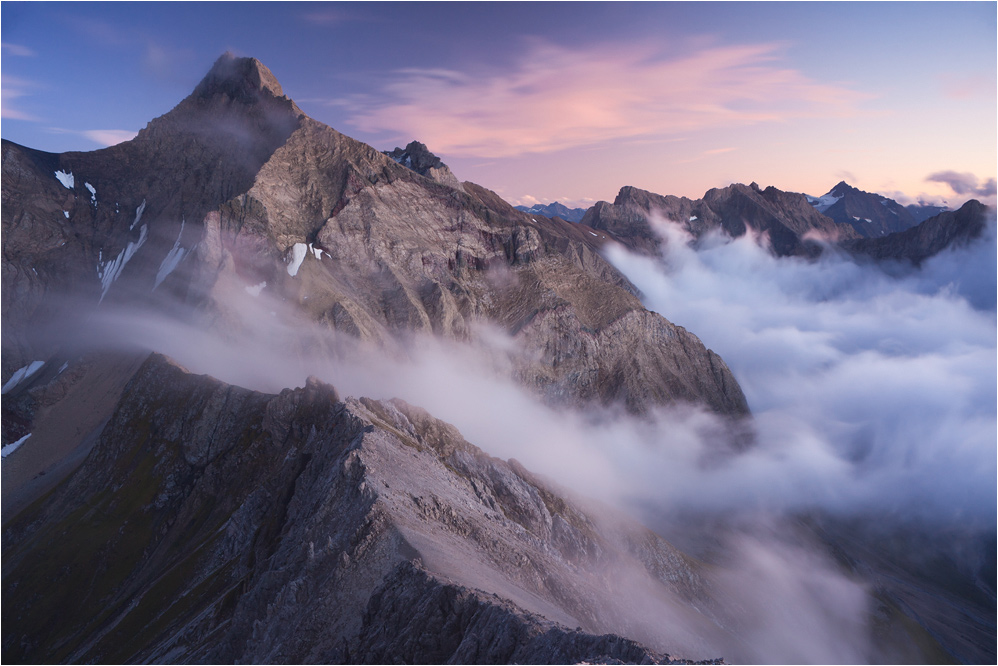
[[870, 393]]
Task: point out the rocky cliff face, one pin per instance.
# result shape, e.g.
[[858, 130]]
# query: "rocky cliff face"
[[915, 245], [785, 219], [237, 190], [215, 524], [416, 156]]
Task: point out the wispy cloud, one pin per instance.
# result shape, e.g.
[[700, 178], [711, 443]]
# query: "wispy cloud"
[[103, 137], [556, 98], [17, 50], [166, 63], [965, 183], [966, 86], [109, 137], [11, 89]]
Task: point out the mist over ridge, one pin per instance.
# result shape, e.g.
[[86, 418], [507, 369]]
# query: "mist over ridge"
[[262, 321]]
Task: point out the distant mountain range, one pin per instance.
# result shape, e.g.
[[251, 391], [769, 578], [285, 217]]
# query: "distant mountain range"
[[779, 214], [555, 210], [790, 223], [871, 215]]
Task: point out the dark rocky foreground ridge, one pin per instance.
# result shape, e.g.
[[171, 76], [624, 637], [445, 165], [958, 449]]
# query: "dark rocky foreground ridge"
[[212, 524]]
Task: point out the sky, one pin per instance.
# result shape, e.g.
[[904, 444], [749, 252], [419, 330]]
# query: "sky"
[[561, 102]]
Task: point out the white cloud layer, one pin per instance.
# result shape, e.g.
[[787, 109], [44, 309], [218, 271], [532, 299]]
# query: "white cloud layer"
[[871, 393]]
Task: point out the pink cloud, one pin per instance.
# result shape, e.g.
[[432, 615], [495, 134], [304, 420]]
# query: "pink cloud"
[[109, 137], [962, 86], [557, 98]]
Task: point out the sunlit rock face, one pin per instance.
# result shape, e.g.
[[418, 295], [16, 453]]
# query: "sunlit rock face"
[[236, 191]]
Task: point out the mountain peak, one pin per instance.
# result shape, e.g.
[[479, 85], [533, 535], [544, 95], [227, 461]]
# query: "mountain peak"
[[239, 78], [841, 188], [417, 157]]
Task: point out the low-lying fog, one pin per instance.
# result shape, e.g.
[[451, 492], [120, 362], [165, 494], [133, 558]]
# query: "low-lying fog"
[[872, 395]]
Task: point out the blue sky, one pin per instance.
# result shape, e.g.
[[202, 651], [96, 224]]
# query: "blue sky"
[[546, 101]]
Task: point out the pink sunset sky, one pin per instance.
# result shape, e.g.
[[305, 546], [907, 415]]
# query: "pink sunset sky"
[[556, 101]]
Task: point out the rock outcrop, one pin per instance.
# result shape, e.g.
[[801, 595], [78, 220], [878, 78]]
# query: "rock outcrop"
[[417, 156], [215, 524]]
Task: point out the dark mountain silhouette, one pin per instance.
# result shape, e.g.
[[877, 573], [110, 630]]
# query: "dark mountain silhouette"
[[555, 209]]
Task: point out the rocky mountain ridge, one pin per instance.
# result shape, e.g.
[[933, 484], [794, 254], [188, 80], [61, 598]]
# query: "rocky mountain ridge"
[[926, 239], [555, 209], [785, 219], [237, 192], [786, 225], [871, 215], [300, 527]]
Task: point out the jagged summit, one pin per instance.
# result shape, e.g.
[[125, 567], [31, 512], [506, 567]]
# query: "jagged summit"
[[871, 215], [417, 157], [239, 78]]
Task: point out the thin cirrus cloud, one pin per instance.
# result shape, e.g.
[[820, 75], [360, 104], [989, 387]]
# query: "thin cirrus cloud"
[[17, 50], [11, 89], [556, 98], [109, 137], [103, 137]]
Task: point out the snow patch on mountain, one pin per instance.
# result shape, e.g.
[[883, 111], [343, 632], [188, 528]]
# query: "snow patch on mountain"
[[138, 214], [21, 374], [14, 446], [298, 252], [109, 272], [172, 259], [66, 179], [93, 192], [824, 202]]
